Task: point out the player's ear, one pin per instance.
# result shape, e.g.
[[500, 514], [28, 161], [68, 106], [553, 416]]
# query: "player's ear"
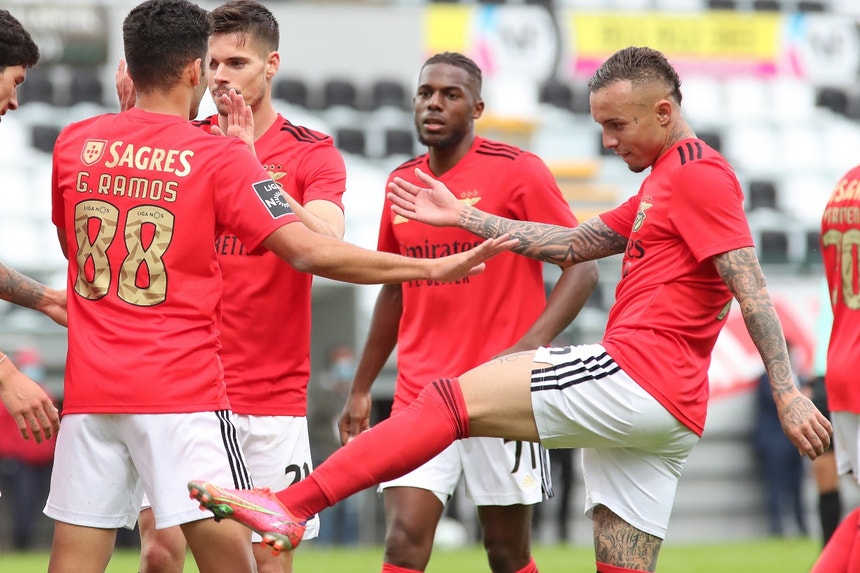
[[663, 109], [196, 72], [273, 63], [479, 109]]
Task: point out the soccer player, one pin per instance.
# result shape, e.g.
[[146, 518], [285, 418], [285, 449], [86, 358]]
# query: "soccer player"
[[636, 402], [503, 478], [266, 305], [840, 241], [138, 198], [30, 406]]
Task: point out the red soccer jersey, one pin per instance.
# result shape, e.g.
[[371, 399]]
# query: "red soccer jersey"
[[449, 328], [144, 284], [266, 307], [840, 242], [670, 303]]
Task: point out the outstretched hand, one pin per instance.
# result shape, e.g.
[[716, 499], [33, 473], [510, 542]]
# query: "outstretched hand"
[[433, 204], [471, 262], [240, 119]]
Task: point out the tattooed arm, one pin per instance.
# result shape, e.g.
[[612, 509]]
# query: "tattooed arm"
[[24, 291], [562, 246], [804, 425]]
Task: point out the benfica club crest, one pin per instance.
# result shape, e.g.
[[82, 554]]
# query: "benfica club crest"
[[92, 151]]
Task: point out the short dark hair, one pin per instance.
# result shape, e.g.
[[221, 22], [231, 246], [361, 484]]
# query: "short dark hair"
[[463, 62], [17, 47], [247, 17], [160, 38], [639, 65]]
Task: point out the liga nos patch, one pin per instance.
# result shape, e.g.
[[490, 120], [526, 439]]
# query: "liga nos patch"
[[269, 193]]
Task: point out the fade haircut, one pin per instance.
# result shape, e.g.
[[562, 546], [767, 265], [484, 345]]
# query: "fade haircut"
[[464, 63], [248, 19], [640, 66], [160, 38], [17, 47]]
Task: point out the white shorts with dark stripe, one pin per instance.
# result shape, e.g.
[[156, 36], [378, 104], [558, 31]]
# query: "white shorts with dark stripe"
[[278, 453], [495, 472], [633, 449], [103, 463]]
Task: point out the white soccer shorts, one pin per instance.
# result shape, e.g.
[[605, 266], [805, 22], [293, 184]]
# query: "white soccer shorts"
[[278, 454], [633, 449], [103, 463]]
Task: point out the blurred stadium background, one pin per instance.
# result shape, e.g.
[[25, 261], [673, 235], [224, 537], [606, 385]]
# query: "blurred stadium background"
[[772, 84]]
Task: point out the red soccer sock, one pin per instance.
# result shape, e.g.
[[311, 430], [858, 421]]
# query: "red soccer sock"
[[841, 553], [531, 567], [390, 449], [607, 568], [389, 568]]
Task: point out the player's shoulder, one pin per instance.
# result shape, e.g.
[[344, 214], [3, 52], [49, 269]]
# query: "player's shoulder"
[[696, 151], [409, 165], [205, 123], [499, 150], [302, 135]]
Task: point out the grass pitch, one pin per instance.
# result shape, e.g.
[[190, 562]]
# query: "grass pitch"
[[769, 556]]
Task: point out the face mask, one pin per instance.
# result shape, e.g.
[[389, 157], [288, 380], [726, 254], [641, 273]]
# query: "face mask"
[[344, 370]]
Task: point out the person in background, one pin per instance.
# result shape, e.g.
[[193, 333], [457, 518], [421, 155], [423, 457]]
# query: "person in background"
[[339, 524], [637, 401], [266, 305], [25, 465], [824, 468], [781, 469]]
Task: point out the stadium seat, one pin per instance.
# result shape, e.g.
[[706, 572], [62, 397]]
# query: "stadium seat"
[[558, 93], [832, 98], [399, 142], [38, 87], [351, 140], [812, 252], [679, 5], [811, 6], [43, 137], [791, 99], [767, 5], [722, 5], [339, 93], [86, 87], [291, 90], [388, 93], [773, 247], [712, 138], [761, 194], [704, 101], [746, 99]]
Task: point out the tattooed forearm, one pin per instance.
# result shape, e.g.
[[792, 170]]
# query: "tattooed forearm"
[[742, 274], [561, 246], [19, 289], [618, 543]]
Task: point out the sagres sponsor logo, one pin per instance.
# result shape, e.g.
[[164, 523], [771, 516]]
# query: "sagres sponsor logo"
[[269, 193], [93, 151], [470, 199]]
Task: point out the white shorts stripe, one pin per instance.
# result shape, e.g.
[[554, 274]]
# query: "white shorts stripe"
[[576, 371]]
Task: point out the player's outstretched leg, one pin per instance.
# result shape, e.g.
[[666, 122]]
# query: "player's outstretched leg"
[[257, 509]]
